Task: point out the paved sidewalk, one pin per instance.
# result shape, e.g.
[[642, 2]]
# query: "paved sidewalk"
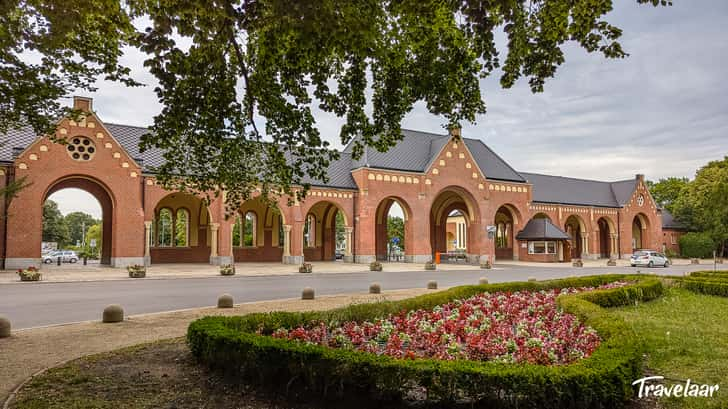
[[79, 272], [28, 351]]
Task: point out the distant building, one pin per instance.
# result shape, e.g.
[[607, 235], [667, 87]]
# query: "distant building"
[[429, 175]]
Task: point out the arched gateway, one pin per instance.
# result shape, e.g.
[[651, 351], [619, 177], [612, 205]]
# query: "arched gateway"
[[455, 194]]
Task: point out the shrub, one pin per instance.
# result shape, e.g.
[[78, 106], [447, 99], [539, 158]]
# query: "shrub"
[[696, 245], [305, 268], [706, 282], [375, 266], [240, 345]]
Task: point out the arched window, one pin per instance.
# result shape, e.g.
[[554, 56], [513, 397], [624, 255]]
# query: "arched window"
[[182, 228], [238, 232], [309, 231], [249, 229], [164, 226]]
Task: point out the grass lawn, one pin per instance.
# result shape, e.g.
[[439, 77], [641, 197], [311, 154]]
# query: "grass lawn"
[[686, 333], [687, 337]]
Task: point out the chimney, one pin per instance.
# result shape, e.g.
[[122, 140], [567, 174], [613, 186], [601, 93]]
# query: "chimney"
[[82, 103], [455, 132], [639, 177]]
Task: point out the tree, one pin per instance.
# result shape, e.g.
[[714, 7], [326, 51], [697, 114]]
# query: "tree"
[[55, 228], [395, 228], [246, 72], [95, 233], [703, 204], [49, 49], [667, 190], [340, 230], [78, 225]]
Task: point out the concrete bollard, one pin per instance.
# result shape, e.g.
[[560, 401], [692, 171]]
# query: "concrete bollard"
[[432, 285], [483, 281], [307, 294], [113, 313], [4, 326], [225, 301], [532, 279], [375, 288]]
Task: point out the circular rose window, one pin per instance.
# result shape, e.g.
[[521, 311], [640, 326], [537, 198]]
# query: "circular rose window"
[[640, 200], [81, 148]]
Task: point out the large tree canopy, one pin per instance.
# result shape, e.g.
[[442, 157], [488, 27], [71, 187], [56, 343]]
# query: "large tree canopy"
[[667, 190], [235, 73]]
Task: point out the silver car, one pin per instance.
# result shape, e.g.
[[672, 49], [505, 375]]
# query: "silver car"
[[648, 258], [67, 256]]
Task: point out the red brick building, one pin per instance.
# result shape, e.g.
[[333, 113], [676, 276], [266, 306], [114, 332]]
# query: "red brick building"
[[429, 175]]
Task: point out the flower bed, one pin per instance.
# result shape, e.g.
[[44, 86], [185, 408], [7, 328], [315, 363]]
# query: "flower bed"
[[244, 348], [30, 274], [517, 327]]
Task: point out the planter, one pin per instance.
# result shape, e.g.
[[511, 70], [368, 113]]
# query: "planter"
[[30, 274], [430, 266], [375, 266], [612, 262], [694, 261], [485, 263], [305, 268], [136, 271], [227, 270], [577, 263]]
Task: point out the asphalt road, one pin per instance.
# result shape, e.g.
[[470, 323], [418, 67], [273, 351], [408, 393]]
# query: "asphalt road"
[[30, 305]]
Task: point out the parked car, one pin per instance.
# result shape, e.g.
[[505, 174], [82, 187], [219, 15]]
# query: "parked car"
[[339, 255], [648, 258], [67, 256]]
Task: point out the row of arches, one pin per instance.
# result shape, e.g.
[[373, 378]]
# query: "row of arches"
[[181, 229]]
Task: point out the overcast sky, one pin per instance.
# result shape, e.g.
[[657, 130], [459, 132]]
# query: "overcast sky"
[[663, 111]]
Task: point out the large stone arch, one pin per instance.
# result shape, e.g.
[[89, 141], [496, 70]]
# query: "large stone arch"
[[446, 201], [606, 237], [576, 227], [105, 198], [324, 213], [640, 232], [505, 220], [381, 234], [199, 241]]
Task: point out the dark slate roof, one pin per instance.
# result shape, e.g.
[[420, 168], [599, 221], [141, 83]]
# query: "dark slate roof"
[[416, 151], [339, 174], [541, 229], [15, 138], [669, 222], [565, 190]]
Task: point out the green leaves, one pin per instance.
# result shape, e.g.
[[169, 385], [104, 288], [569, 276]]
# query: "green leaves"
[[235, 73], [49, 49]]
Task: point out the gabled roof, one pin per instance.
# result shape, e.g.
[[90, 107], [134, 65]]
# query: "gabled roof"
[[416, 151], [573, 191], [542, 229], [669, 222]]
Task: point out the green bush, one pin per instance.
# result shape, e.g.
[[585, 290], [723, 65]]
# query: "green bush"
[[706, 282], [240, 346], [696, 245]]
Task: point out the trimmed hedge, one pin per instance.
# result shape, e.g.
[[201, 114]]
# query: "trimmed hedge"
[[706, 282], [603, 380]]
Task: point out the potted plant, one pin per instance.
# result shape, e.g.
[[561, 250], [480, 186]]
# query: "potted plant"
[[305, 268], [136, 271], [227, 270], [485, 263], [30, 274], [375, 266], [430, 265]]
